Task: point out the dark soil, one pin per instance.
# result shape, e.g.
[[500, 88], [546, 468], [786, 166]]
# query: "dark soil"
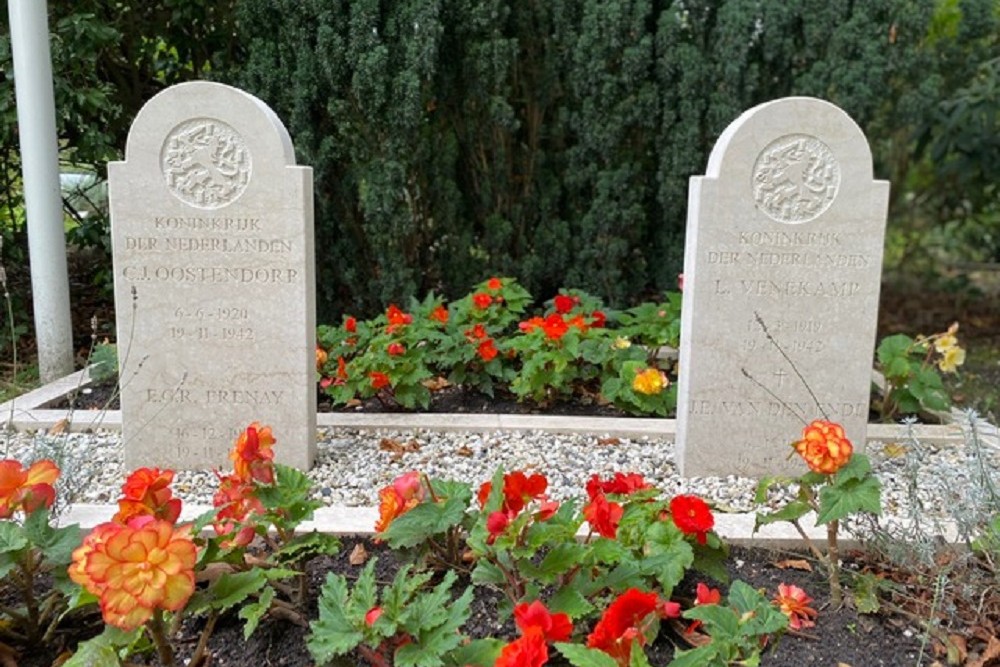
[[451, 399], [841, 636]]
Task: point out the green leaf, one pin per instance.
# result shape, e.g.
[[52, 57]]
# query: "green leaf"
[[857, 467], [486, 572], [423, 521], [333, 633], [202, 521], [840, 500], [570, 601], [894, 347], [703, 656], [12, 537], [581, 656], [431, 644], [429, 609], [793, 511], [102, 650], [307, 545], [253, 612], [718, 619], [477, 653]]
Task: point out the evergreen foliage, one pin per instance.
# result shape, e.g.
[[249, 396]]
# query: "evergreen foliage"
[[551, 141]]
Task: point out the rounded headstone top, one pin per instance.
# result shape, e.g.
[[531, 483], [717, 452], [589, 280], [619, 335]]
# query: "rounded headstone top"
[[198, 120], [795, 156]]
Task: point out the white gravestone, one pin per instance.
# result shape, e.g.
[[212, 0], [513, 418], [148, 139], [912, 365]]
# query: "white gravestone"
[[212, 233], [784, 240]]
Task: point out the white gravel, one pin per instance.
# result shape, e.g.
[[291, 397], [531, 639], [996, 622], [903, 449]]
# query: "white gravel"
[[353, 465]]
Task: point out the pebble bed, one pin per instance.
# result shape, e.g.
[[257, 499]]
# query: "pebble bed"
[[353, 465]]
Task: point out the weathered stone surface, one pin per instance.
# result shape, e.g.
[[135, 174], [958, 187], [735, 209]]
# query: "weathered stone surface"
[[212, 232], [782, 268]]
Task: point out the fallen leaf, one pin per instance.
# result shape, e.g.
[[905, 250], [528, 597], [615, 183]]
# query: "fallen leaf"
[[436, 384], [958, 650], [794, 564], [353, 403], [359, 555], [842, 664], [397, 447], [990, 655], [59, 427], [894, 450], [609, 441], [464, 451]]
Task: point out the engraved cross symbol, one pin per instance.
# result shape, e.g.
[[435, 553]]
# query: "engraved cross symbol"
[[781, 376]]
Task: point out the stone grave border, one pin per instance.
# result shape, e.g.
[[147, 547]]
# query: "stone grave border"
[[23, 414]]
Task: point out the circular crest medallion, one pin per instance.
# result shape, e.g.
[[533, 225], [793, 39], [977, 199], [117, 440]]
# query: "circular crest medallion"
[[795, 179], [206, 163]]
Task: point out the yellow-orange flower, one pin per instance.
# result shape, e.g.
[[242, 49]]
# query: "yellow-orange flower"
[[945, 342], [321, 357], [135, 569], [952, 358], [26, 489], [252, 455], [650, 381], [824, 446]]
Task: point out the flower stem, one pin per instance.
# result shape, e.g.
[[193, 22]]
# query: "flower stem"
[[163, 647], [833, 563]]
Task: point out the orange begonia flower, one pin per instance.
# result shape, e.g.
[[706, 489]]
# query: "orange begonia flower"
[[440, 314], [135, 569], [793, 601], [404, 494], [321, 357], [26, 489], [147, 492], [253, 456], [235, 501], [493, 284], [650, 381], [824, 446]]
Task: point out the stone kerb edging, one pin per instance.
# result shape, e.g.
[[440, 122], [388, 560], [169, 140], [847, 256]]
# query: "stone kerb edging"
[[24, 414]]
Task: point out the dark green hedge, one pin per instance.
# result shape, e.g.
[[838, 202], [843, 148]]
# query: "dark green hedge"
[[551, 140]]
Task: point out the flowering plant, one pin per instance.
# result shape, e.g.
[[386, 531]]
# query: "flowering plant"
[[839, 483], [32, 549], [389, 363], [654, 325], [912, 370]]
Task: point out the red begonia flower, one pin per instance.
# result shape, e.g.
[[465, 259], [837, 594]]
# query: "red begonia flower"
[[493, 284], [487, 350], [555, 627], [378, 380], [147, 491], [440, 314], [397, 318], [395, 349], [555, 326], [598, 319], [350, 324], [620, 484], [563, 304], [482, 300], [529, 650], [692, 516], [603, 516], [624, 621]]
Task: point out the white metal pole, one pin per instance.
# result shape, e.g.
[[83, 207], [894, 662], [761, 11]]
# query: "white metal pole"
[[36, 119]]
